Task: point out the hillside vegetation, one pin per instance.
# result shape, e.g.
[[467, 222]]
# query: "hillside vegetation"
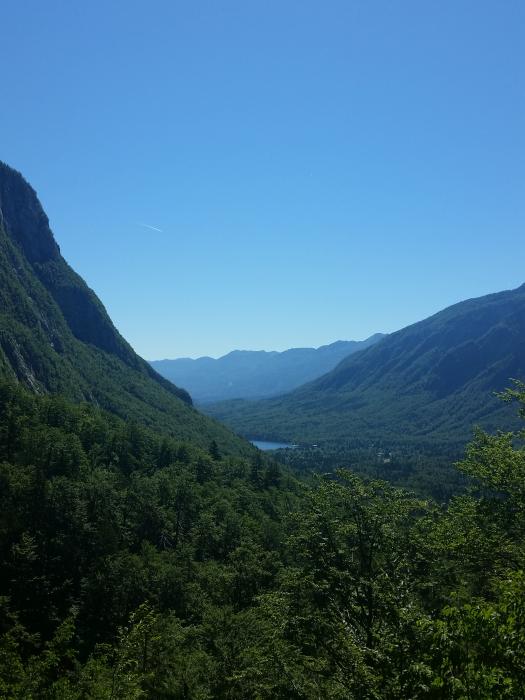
[[147, 552], [55, 335], [137, 567], [428, 383]]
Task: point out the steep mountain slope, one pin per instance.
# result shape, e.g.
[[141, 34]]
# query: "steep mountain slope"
[[55, 335], [247, 374], [428, 382]]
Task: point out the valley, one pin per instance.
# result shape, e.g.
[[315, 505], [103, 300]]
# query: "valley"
[[426, 385], [368, 544], [262, 350], [244, 374]]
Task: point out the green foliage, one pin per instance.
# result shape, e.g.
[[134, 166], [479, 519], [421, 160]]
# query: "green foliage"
[[425, 385], [478, 648], [425, 468], [56, 337], [110, 534], [136, 566]]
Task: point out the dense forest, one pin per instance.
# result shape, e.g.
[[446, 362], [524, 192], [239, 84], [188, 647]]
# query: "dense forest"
[[136, 566], [427, 469]]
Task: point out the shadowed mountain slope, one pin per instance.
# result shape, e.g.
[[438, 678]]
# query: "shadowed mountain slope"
[[56, 336], [430, 382]]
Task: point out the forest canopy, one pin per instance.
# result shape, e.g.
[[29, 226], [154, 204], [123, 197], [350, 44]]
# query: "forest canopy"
[[138, 566]]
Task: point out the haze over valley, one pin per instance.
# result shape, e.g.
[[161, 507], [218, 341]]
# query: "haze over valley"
[[249, 374], [314, 212]]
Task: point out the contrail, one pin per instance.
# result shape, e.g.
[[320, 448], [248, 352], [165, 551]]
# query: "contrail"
[[153, 228]]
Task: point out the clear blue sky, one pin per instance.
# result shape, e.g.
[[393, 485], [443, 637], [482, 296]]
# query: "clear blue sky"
[[318, 170]]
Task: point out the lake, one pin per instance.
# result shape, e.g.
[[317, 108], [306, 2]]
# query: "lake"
[[264, 445]]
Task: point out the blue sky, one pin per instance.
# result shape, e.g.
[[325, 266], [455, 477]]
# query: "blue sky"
[[317, 170]]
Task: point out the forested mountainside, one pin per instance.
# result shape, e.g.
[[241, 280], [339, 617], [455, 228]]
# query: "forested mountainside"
[[146, 552], [134, 566], [429, 382], [248, 374], [56, 337]]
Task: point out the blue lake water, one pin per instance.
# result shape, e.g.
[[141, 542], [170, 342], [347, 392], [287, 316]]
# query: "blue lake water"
[[264, 445]]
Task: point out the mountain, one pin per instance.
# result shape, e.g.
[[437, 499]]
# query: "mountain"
[[56, 336], [250, 374], [429, 382]]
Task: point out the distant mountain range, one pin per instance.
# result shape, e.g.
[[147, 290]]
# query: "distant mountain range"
[[256, 374], [429, 382], [56, 337]]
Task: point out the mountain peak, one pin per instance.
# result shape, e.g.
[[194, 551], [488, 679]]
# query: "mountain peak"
[[23, 217], [56, 336]]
